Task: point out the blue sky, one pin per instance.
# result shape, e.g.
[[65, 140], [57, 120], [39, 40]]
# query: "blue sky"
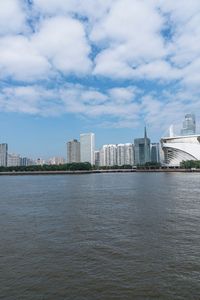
[[108, 67]]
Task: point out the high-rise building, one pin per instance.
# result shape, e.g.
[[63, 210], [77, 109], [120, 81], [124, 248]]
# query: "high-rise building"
[[97, 158], [102, 156], [14, 160], [189, 125], [120, 154], [3, 154], [87, 147], [25, 161], [73, 151], [111, 155], [108, 155], [155, 152], [129, 154], [117, 154], [125, 154], [142, 149]]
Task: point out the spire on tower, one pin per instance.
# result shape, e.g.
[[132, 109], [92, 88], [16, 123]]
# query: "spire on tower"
[[145, 132]]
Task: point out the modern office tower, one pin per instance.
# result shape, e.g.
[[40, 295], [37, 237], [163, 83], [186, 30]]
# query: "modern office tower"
[[155, 152], [129, 154], [73, 151], [189, 125], [97, 158], [14, 160], [87, 146], [3, 155], [142, 149]]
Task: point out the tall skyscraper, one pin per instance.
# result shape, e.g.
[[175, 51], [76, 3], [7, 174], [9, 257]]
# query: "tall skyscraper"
[[120, 154], [129, 154], [3, 155], [87, 146], [117, 154], [109, 155], [155, 152], [125, 154], [189, 125], [142, 149], [97, 158], [73, 151]]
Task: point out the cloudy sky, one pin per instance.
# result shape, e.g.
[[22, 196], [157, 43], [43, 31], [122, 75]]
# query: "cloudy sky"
[[106, 66]]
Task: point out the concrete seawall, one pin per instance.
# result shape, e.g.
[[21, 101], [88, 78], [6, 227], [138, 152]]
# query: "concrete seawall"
[[15, 173]]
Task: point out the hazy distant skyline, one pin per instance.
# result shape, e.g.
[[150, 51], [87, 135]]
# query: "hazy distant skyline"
[[108, 67]]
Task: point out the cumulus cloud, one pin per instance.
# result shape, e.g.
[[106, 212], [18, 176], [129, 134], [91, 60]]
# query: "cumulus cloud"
[[62, 41], [128, 60], [12, 17], [131, 33], [21, 61]]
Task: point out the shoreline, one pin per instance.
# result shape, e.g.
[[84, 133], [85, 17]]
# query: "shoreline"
[[17, 173]]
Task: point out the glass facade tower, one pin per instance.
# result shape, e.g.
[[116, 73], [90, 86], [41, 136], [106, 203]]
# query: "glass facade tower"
[[189, 125], [142, 149]]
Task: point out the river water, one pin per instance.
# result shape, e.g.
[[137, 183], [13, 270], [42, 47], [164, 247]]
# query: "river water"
[[100, 236]]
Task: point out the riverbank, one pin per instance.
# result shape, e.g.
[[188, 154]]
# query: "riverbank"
[[168, 170]]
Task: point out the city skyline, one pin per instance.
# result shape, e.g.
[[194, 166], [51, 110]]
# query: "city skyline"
[[188, 127], [79, 66]]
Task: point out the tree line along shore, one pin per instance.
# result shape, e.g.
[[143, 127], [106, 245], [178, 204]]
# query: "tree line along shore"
[[88, 168]]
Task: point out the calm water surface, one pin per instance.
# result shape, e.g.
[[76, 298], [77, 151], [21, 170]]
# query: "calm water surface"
[[100, 236]]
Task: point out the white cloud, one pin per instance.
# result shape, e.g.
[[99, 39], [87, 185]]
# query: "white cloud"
[[63, 42], [116, 107], [158, 69], [12, 17], [91, 9], [131, 35], [142, 41], [21, 61]]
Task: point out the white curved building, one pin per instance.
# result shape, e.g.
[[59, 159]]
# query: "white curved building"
[[179, 148]]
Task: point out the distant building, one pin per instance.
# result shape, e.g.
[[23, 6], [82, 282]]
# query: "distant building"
[[102, 158], [189, 125], [142, 149], [125, 154], [129, 154], [14, 160], [155, 152], [3, 154], [73, 151], [97, 158], [40, 162], [108, 155], [117, 154], [25, 161], [87, 147], [56, 160], [120, 148]]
